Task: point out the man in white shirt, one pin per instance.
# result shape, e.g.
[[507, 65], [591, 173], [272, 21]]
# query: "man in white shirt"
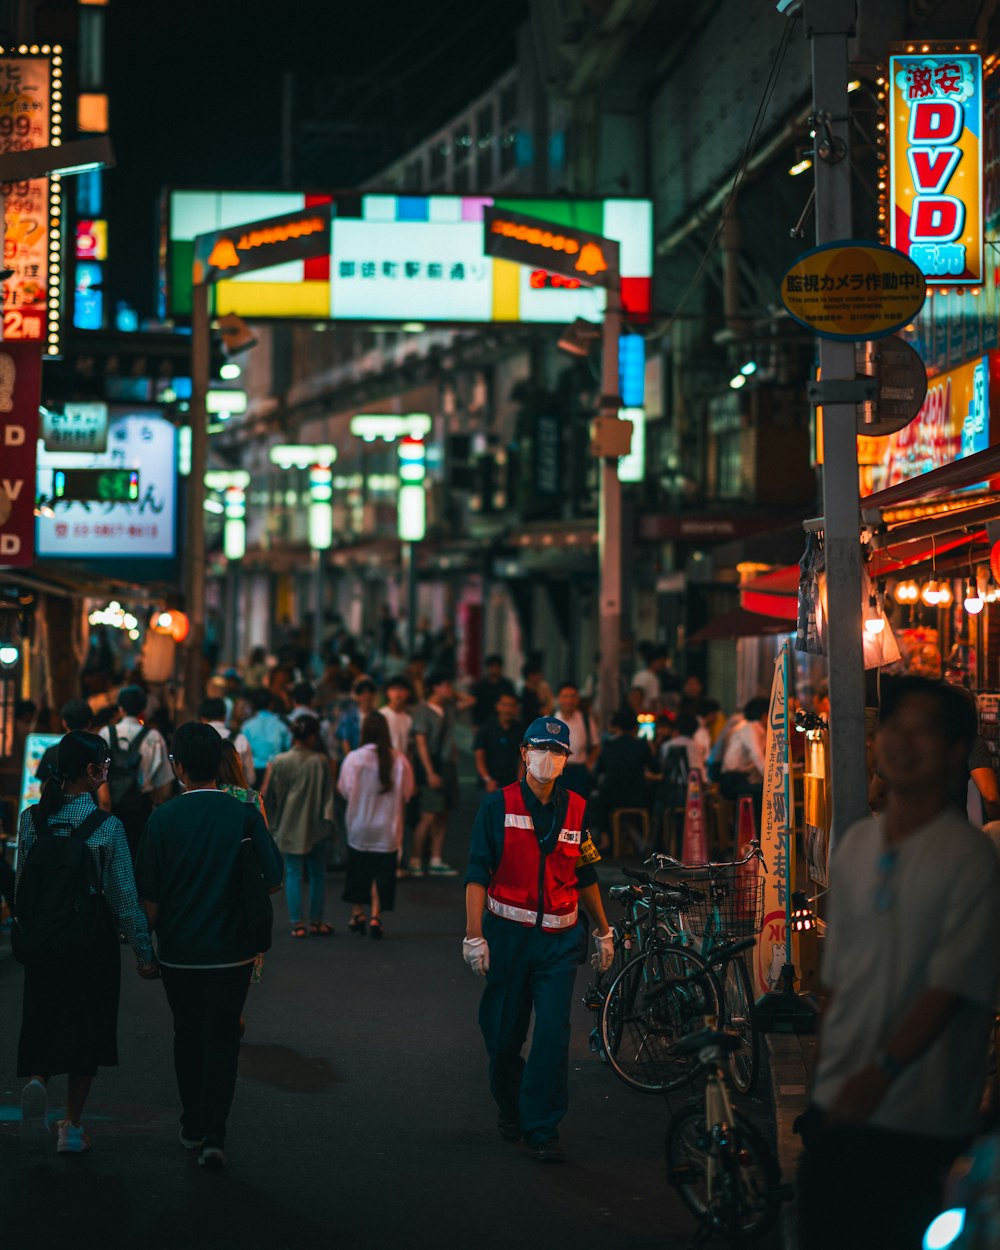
[[139, 783], [213, 712], [743, 758], [647, 679], [584, 740], [911, 962], [398, 695]]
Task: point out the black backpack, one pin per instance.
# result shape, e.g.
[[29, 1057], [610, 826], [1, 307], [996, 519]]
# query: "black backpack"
[[257, 909], [58, 905], [123, 774]]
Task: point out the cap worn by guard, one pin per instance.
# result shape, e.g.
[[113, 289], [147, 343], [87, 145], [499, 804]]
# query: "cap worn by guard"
[[547, 731]]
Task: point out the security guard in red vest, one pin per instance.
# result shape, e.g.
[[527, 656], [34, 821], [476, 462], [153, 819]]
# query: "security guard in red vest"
[[530, 864]]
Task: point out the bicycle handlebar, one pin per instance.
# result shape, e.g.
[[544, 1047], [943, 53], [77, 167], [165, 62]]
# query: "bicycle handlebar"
[[665, 863], [673, 891]]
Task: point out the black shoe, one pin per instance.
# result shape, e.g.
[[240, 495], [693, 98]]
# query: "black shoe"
[[548, 1151], [509, 1127]]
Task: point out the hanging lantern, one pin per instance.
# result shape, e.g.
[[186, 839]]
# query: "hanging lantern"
[[171, 623], [995, 561], [945, 597]]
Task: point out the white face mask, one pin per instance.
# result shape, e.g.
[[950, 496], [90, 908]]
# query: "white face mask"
[[545, 766]]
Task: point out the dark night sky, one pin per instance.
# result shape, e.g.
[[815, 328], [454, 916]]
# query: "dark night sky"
[[196, 96]]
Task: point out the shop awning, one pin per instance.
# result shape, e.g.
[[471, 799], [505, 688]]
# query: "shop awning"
[[741, 624], [774, 594], [959, 475]]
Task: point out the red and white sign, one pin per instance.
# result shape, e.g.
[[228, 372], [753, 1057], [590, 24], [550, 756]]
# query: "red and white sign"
[[20, 393], [27, 111]]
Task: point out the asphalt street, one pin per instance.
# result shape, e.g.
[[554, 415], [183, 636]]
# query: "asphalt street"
[[362, 1116]]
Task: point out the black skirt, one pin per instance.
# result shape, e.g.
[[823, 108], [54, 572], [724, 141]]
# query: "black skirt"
[[365, 868], [69, 1017]]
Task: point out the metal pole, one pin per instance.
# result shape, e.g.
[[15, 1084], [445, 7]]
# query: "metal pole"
[[410, 570], [828, 24], [194, 537], [609, 526], [319, 572]]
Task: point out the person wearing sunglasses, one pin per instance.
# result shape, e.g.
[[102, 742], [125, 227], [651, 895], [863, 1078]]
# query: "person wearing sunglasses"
[[911, 963]]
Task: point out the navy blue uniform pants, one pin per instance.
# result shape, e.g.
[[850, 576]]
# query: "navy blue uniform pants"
[[529, 970]]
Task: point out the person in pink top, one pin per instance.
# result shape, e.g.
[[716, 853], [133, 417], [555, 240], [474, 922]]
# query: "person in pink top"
[[377, 782]]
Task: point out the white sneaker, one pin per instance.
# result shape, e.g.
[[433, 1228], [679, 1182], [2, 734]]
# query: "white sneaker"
[[212, 1157], [438, 868], [34, 1114], [72, 1139], [190, 1143]]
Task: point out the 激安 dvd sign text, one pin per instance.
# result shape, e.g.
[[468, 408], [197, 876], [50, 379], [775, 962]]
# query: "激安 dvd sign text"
[[936, 163]]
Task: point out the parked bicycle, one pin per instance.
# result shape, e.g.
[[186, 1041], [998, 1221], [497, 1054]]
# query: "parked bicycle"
[[729, 907], [720, 1164], [676, 930], [639, 1043]]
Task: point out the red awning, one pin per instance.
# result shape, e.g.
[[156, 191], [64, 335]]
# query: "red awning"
[[774, 594], [958, 475], [741, 624]]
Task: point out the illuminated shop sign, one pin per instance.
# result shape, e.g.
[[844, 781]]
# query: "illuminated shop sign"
[[113, 526], [31, 117], [293, 238], [536, 241], [397, 258], [953, 423], [936, 163]]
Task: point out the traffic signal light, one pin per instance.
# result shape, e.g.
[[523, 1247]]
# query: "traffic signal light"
[[411, 502]]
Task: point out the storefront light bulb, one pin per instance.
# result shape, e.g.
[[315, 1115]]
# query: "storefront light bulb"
[[973, 600], [738, 381], [874, 625]]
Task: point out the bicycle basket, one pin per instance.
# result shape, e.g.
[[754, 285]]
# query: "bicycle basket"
[[732, 907]]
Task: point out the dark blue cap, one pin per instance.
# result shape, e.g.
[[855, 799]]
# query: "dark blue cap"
[[547, 731]]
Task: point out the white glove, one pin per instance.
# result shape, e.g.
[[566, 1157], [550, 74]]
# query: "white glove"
[[605, 953], [476, 953]]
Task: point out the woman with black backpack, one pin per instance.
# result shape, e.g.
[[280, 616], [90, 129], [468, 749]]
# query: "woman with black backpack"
[[74, 893]]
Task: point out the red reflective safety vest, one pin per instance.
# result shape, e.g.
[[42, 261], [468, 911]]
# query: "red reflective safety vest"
[[523, 872]]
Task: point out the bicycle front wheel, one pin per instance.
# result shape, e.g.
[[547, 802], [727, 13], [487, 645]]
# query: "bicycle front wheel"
[[737, 1004], [640, 1037], [732, 1188]]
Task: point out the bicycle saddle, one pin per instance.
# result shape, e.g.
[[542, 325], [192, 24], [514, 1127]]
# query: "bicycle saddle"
[[718, 1039], [620, 892]]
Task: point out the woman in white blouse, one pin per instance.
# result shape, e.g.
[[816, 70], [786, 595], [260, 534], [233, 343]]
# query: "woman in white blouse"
[[377, 782]]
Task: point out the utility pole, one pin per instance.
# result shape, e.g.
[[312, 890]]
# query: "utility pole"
[[609, 524], [829, 24], [194, 529]]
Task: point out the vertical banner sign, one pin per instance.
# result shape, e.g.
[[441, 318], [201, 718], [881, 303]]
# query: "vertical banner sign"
[[695, 846], [20, 393], [771, 951], [936, 164], [26, 119]]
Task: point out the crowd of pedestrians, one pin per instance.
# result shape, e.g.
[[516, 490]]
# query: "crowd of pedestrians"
[[170, 841]]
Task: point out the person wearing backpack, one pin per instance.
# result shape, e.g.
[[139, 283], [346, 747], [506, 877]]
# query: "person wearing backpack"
[[74, 893], [139, 777]]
